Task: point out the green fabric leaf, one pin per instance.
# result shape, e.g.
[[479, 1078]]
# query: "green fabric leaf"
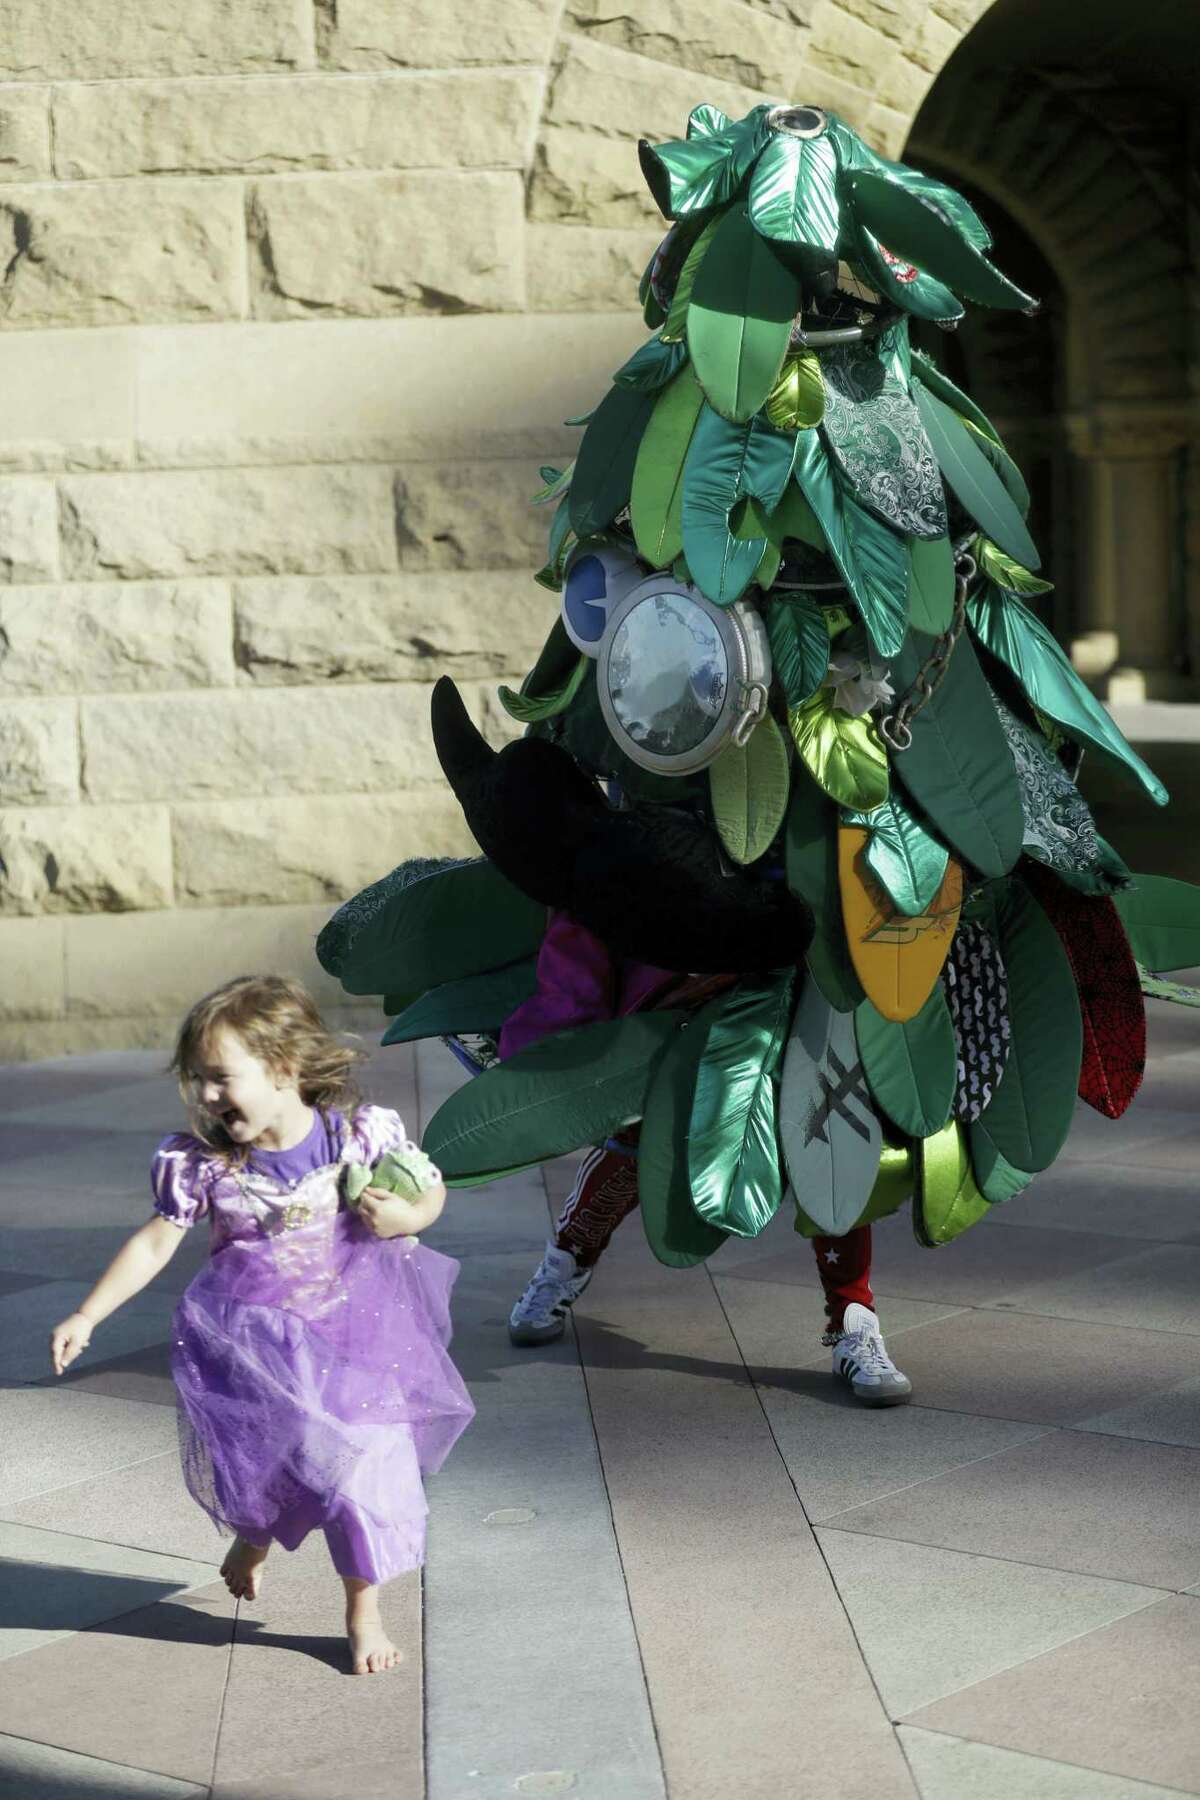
[[455, 922], [676, 1233], [967, 470], [707, 121], [918, 228], [675, 328], [917, 292], [958, 767], [1006, 573], [828, 1126], [530, 707], [931, 585], [946, 1198], [769, 566], [793, 192], [1018, 639], [854, 153], [733, 1156], [904, 857], [1162, 919], [478, 1003], [749, 790], [1004, 466], [656, 503], [1156, 987], [557, 481], [797, 400], [569, 1089], [941, 385], [872, 559], [995, 1177], [1030, 1112], [911, 1067], [651, 366], [811, 867], [740, 318], [604, 466], [845, 756], [724, 464], [799, 646], [690, 176]]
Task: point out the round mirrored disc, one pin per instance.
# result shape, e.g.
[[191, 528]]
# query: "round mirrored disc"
[[668, 674]]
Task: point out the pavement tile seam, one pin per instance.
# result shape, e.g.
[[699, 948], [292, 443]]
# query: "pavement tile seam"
[[116, 1543], [924, 1481], [1053, 1762], [63, 1487], [107, 1762], [1018, 1562]]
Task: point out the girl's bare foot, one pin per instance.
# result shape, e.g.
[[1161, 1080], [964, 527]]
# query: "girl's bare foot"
[[242, 1568], [372, 1651]]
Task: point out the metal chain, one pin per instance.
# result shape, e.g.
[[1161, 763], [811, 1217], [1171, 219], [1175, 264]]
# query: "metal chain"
[[895, 727]]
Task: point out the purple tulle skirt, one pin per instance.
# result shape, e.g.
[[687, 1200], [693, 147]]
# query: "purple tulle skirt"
[[315, 1390]]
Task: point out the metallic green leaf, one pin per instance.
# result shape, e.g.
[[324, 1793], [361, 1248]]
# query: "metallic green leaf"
[[707, 121], [1161, 917], [725, 463], [676, 1233], [477, 1003], [799, 646], [749, 790], [872, 559], [931, 585], [946, 1198], [798, 398], [793, 193], [1006, 573], [977, 485], [1030, 1112], [740, 318], [911, 1067], [651, 366], [853, 153], [1023, 644], [958, 768], [569, 1089], [917, 227], [845, 756], [675, 328], [688, 176], [604, 466], [733, 1156], [905, 857], [810, 864], [656, 500], [1004, 466], [901, 283]]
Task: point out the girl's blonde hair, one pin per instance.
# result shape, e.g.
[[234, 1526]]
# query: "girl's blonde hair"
[[278, 1022]]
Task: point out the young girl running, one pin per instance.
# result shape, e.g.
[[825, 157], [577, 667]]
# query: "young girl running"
[[309, 1355]]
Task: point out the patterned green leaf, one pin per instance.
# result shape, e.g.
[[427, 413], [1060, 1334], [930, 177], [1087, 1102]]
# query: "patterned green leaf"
[[749, 790], [477, 1003], [844, 756], [931, 585], [905, 857], [604, 466], [793, 196], [911, 1067], [569, 1089], [1162, 919], [656, 503], [873, 560], [917, 227], [1023, 644], [799, 646], [733, 1155], [798, 398], [740, 318], [1006, 573], [724, 464], [977, 485], [651, 366]]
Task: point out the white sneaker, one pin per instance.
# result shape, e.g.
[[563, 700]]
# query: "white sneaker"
[[860, 1359], [540, 1315]]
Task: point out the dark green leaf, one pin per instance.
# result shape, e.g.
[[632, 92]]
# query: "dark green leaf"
[[810, 862], [724, 464], [570, 1089], [941, 385], [799, 646], [917, 227], [967, 470], [911, 1067], [674, 1229], [931, 585], [652, 366], [529, 707], [902, 284], [1004, 466], [604, 467], [479, 1003], [1162, 919]]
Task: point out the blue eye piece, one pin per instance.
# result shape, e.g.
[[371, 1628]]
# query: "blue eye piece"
[[596, 581]]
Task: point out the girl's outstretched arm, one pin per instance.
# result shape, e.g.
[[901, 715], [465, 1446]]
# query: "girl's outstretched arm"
[[135, 1265]]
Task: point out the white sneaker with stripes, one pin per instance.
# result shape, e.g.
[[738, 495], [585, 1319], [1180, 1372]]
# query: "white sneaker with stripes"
[[540, 1315], [860, 1359]]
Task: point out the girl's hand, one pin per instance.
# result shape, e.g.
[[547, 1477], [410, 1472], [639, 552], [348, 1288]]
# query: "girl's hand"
[[68, 1339], [388, 1216]]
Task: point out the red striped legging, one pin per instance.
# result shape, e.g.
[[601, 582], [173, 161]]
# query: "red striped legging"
[[605, 1192]]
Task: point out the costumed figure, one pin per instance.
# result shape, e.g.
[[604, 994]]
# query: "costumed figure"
[[309, 1354], [788, 891]]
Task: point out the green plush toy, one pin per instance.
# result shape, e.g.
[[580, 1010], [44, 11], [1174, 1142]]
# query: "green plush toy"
[[406, 1173]]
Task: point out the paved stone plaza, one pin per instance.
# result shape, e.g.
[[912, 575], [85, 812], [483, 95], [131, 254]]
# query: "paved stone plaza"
[[669, 1558]]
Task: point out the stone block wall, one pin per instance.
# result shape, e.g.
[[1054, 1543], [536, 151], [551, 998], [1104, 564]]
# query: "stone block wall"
[[295, 296]]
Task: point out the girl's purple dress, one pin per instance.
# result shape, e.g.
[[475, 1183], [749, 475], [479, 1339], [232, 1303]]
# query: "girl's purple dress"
[[310, 1357]]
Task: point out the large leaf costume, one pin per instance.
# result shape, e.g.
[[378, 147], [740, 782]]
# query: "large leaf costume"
[[921, 947]]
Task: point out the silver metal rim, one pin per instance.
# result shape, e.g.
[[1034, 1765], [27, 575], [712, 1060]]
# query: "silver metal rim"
[[781, 118]]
